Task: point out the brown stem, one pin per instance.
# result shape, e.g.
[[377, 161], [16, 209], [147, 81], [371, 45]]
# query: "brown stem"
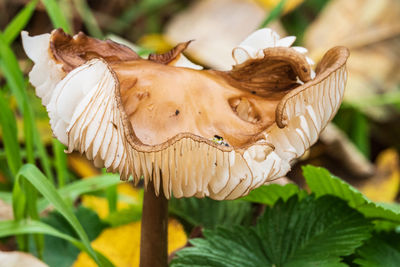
[[153, 241]]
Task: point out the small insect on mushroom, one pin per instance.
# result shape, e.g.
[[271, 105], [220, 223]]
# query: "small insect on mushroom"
[[219, 140], [271, 108]]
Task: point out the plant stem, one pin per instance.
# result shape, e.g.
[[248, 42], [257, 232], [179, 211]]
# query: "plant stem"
[[153, 241]]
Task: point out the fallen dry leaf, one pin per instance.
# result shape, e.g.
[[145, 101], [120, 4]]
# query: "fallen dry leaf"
[[121, 245], [371, 29], [216, 28], [19, 259], [384, 186], [100, 204], [82, 166], [6, 211]]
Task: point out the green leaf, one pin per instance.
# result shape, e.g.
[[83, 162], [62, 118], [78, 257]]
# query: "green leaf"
[[8, 126], [131, 214], [321, 183], [10, 228], [57, 16], [42, 184], [210, 213], [310, 232], [377, 253], [269, 194], [19, 22], [61, 253]]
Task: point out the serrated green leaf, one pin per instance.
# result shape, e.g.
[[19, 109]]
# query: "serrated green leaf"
[[269, 194], [210, 213], [377, 253], [321, 183], [379, 211], [310, 232]]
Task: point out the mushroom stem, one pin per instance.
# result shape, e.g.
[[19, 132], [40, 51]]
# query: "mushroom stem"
[[154, 234]]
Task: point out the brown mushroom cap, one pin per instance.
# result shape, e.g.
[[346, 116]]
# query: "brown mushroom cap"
[[151, 118]]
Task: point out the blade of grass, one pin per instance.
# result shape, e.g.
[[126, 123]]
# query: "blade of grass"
[[136, 9], [19, 22], [9, 228], [14, 77], [88, 18], [56, 15], [274, 14], [32, 174], [31, 201], [74, 190], [112, 198], [360, 133], [9, 129], [60, 162], [16, 82]]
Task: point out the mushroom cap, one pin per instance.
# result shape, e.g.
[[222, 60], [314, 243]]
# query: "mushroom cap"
[[195, 132]]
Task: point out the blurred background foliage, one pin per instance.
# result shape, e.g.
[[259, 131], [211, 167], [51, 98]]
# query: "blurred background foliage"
[[361, 146]]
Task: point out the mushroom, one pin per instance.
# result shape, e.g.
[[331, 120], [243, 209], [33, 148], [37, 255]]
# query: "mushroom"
[[189, 131]]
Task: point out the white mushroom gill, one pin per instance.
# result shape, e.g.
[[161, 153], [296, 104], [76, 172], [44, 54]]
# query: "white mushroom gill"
[[87, 115]]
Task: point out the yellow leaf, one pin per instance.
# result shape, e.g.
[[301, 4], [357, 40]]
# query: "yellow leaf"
[[384, 186], [100, 204], [121, 245], [289, 5], [82, 166], [155, 42]]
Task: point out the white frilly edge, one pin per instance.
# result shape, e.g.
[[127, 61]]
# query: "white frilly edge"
[[84, 115], [252, 47]]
